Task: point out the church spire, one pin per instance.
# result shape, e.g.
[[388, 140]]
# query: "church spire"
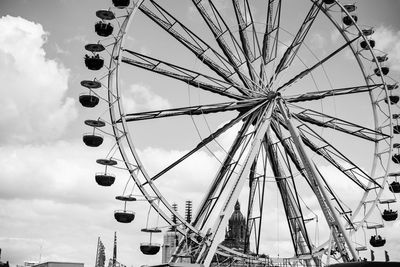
[[235, 234], [237, 205]]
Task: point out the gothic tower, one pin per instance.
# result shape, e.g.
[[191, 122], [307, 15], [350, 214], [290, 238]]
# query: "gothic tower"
[[236, 232]]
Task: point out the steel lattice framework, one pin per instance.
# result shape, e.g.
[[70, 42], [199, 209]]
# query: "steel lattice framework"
[[266, 83]]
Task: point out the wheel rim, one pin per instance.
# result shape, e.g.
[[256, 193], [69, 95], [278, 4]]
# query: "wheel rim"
[[137, 171]]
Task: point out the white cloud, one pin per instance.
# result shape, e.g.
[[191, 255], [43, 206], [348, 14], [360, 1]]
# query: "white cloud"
[[388, 40], [140, 98], [33, 103], [49, 197], [58, 171], [191, 177], [50, 189]]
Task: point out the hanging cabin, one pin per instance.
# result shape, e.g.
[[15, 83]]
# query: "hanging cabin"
[[150, 248], [124, 216], [105, 179], [103, 29], [88, 100], [94, 62], [394, 187], [121, 3]]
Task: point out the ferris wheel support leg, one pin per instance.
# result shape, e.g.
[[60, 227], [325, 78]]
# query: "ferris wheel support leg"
[[339, 233], [210, 246], [329, 248]]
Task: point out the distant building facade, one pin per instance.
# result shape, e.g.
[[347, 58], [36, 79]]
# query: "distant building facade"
[[235, 239], [3, 264], [235, 234], [171, 239]]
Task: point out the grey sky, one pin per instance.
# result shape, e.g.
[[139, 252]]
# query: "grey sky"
[[49, 202]]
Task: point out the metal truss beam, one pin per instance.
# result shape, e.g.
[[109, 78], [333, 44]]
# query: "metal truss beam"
[[323, 148], [223, 175], [250, 46], [334, 92], [293, 48], [226, 41], [242, 172], [193, 78], [333, 219], [256, 188], [326, 121], [271, 33], [319, 63], [335, 157], [289, 147], [191, 41], [294, 215], [193, 110], [205, 141]]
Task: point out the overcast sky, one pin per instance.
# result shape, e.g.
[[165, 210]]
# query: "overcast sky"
[[51, 209]]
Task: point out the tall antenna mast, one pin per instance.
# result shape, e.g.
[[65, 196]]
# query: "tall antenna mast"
[[188, 211], [174, 219]]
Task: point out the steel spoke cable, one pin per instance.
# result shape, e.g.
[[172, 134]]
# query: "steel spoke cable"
[[209, 129], [198, 51], [301, 34], [338, 125], [289, 197], [309, 70], [218, 31], [208, 126], [302, 62], [327, 154], [318, 95], [183, 74], [203, 124], [203, 143], [196, 127], [336, 153]]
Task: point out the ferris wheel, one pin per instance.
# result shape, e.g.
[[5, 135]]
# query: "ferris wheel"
[[292, 98]]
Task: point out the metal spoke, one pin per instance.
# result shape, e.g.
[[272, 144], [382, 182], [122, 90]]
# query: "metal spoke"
[[212, 195], [330, 213], [335, 157], [242, 172], [334, 92], [341, 209], [193, 110], [293, 48], [256, 188], [289, 147], [323, 148], [250, 46], [271, 33], [288, 192], [205, 141], [193, 78], [326, 121], [227, 165], [196, 45], [223, 35], [309, 70]]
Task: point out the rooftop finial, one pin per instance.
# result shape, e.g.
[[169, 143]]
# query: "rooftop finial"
[[237, 205]]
